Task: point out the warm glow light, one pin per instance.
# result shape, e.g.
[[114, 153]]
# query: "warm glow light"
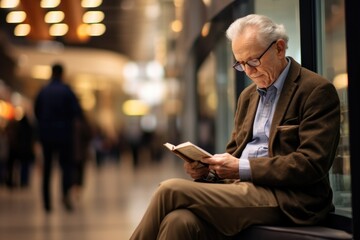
[[176, 26], [207, 2], [54, 16], [16, 17], [22, 30], [90, 3], [212, 101], [205, 29], [97, 29], [41, 72], [341, 81], [9, 3], [88, 100], [7, 111], [135, 108], [49, 3], [93, 17], [59, 29], [82, 31], [178, 3]]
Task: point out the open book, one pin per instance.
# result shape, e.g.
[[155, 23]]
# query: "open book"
[[188, 151]]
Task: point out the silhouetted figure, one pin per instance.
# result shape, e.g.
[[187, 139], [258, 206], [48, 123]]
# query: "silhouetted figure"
[[4, 153], [21, 152], [133, 135], [56, 107]]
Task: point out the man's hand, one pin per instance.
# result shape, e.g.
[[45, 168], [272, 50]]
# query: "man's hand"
[[196, 169], [225, 165]]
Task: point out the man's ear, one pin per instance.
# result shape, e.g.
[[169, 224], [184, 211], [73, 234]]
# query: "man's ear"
[[280, 46]]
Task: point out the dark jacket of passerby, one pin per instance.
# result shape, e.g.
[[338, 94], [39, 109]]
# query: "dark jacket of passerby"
[[56, 108]]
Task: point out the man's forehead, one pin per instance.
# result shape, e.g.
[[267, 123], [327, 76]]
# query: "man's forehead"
[[245, 45]]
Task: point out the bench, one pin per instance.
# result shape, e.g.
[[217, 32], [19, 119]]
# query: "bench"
[[293, 233], [335, 228]]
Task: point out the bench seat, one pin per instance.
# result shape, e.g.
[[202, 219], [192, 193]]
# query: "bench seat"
[[293, 233]]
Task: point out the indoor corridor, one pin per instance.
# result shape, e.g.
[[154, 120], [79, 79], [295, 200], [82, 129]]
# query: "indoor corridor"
[[109, 206]]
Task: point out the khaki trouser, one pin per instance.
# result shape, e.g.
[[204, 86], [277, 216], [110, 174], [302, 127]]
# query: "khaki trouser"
[[183, 209]]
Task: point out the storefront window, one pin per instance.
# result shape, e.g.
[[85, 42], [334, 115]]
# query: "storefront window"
[[333, 67]]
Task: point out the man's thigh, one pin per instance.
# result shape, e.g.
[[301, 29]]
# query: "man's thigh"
[[228, 207]]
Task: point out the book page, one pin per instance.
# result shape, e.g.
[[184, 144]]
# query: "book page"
[[169, 146], [193, 152], [188, 151]]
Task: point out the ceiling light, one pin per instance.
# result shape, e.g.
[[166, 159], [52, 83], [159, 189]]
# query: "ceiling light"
[[54, 16], [49, 3], [9, 3], [97, 29], [93, 17], [90, 3], [16, 17], [59, 29], [22, 30]]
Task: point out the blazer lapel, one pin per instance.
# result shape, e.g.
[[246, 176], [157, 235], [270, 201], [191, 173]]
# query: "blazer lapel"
[[285, 98], [250, 116]]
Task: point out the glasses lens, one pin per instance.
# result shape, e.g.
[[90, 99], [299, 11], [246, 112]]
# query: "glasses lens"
[[238, 66], [253, 62]]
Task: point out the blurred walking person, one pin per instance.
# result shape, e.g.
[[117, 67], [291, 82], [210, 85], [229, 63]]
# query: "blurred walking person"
[[82, 138], [20, 137], [56, 108]]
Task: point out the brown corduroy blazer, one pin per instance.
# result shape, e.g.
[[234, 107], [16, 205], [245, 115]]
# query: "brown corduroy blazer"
[[303, 140]]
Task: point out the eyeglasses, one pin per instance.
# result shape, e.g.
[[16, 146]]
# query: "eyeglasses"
[[240, 66]]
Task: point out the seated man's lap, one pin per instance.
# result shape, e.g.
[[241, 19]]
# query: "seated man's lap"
[[228, 207]]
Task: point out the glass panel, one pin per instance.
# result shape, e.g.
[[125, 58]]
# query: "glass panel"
[[216, 98], [334, 68], [207, 102], [285, 12]]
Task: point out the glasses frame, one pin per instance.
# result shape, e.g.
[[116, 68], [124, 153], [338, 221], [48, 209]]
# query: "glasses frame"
[[255, 62]]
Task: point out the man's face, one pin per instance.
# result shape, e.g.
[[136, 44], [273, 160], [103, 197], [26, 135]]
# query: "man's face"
[[246, 48]]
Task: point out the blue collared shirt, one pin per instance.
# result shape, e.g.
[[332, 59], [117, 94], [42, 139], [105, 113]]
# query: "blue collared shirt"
[[258, 146]]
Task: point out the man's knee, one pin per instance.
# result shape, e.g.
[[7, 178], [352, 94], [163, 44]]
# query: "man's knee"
[[173, 183], [181, 222], [171, 188]]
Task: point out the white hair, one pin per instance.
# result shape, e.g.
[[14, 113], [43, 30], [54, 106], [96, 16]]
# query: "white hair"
[[267, 30]]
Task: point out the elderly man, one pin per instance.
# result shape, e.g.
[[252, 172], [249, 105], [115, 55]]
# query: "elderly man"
[[275, 169]]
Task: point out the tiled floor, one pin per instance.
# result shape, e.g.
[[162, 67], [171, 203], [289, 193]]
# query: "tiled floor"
[[109, 207]]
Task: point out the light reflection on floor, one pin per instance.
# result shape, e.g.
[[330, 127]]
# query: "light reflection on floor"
[[108, 207]]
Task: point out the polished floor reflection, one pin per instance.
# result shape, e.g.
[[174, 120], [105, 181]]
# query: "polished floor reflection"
[[108, 207]]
